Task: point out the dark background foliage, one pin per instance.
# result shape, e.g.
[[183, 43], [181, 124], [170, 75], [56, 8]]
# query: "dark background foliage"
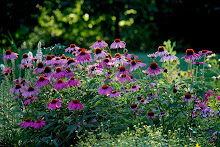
[[143, 24]]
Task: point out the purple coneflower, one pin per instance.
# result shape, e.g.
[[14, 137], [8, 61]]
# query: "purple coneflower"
[[83, 56], [132, 78], [6, 71], [55, 103], [109, 73], [27, 123], [39, 68], [115, 94], [59, 73], [22, 66], [75, 105], [39, 123], [58, 62], [133, 66], [72, 48], [105, 90], [118, 44], [124, 78], [105, 63], [9, 55], [161, 51], [143, 101], [22, 81], [187, 97], [99, 44], [71, 62], [42, 81], [69, 73], [47, 71], [17, 89], [197, 63], [191, 55], [150, 114], [134, 88], [168, 57], [205, 52], [26, 59], [29, 99], [73, 82], [130, 56], [60, 84], [48, 60], [99, 54], [153, 69], [163, 114], [152, 56], [133, 107], [122, 70], [31, 91]]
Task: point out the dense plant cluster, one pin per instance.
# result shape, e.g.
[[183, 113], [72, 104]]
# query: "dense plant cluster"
[[53, 99]]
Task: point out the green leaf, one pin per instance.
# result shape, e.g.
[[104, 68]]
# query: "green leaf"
[[71, 129]]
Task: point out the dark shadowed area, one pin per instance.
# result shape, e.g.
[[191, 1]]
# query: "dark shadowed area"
[[144, 25]]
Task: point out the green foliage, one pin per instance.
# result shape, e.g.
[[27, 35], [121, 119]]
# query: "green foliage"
[[81, 22]]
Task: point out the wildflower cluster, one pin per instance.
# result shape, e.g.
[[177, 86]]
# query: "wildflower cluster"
[[60, 97]]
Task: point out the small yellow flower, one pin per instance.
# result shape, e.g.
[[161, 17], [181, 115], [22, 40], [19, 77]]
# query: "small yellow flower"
[[197, 145]]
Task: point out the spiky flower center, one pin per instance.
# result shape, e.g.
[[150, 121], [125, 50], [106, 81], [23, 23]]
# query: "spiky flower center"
[[72, 45], [8, 52], [42, 78], [114, 91], [190, 52], [72, 78], [153, 65], [133, 86], [131, 77], [100, 40], [82, 53], [58, 69], [49, 57], [122, 68], [25, 55], [75, 101], [105, 86], [47, 69], [109, 72], [117, 40], [107, 60], [40, 65], [98, 51], [38, 121], [30, 89], [70, 61], [133, 105], [133, 62], [150, 113], [54, 101], [204, 51], [27, 119], [187, 96], [142, 100], [18, 86], [165, 70], [63, 57], [117, 55], [60, 81], [161, 49]]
